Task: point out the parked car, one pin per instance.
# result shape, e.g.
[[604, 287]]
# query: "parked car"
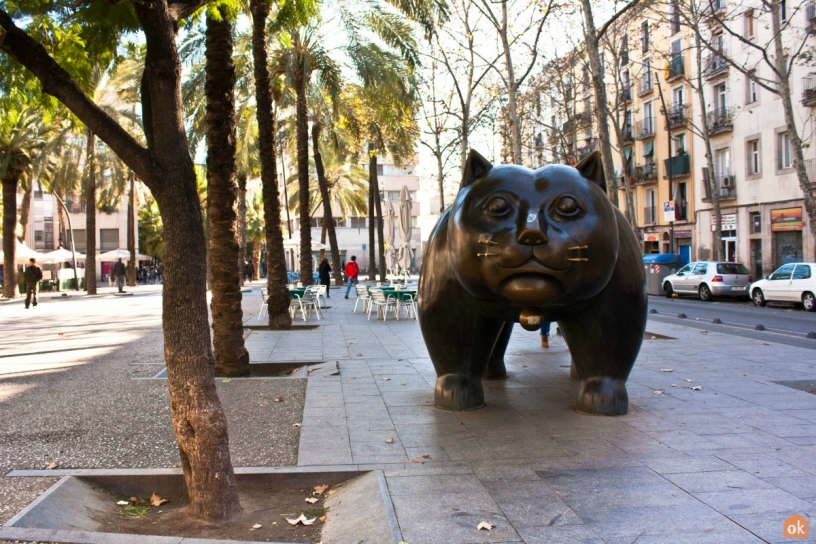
[[709, 279], [794, 282]]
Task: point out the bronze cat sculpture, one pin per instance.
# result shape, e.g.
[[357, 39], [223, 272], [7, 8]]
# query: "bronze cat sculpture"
[[532, 245]]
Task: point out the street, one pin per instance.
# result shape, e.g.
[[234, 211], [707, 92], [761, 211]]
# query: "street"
[[783, 324]]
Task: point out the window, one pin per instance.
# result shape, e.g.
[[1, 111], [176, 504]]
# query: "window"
[[722, 162], [644, 36], [681, 206], [79, 240], [679, 144], [358, 222], [756, 223], [108, 239], [380, 170], [678, 96], [674, 17], [700, 270], [783, 151], [749, 23], [731, 268], [784, 273], [783, 11], [720, 98], [754, 165], [751, 91], [648, 118], [802, 272]]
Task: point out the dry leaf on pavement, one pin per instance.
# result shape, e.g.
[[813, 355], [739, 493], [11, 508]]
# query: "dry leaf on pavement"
[[697, 388], [426, 456], [226, 380], [319, 489], [485, 526], [278, 399], [389, 441], [386, 379], [52, 466], [416, 461], [155, 500], [657, 392], [331, 492], [255, 527], [322, 519], [311, 500], [666, 369], [301, 519], [296, 425]]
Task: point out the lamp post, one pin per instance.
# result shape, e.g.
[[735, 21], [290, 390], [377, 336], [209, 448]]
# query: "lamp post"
[[73, 246]]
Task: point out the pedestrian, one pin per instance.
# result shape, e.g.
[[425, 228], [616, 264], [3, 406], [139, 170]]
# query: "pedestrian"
[[323, 274], [545, 334], [352, 269], [249, 271], [119, 272], [32, 275]]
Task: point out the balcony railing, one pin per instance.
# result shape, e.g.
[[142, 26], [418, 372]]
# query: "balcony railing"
[[676, 69], [645, 174], [810, 17], [645, 128], [720, 120], [628, 136], [587, 149], [714, 64], [809, 91], [724, 185], [678, 115], [649, 215], [679, 166], [625, 95], [583, 118], [810, 168], [644, 86]]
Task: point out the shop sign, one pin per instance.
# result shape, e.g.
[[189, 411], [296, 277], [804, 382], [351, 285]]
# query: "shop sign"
[[786, 219], [651, 236], [729, 222], [682, 234]]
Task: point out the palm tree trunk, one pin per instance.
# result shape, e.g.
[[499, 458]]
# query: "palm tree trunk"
[[372, 191], [25, 210], [231, 357], [131, 233], [303, 174], [9, 225], [242, 242], [278, 298], [378, 207], [90, 214], [63, 240], [328, 219]]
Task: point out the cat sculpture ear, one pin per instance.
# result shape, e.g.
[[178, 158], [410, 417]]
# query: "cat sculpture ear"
[[476, 167], [591, 168]]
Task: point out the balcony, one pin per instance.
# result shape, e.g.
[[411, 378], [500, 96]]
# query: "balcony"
[[583, 118], [715, 65], [645, 174], [627, 134], [715, 7], [809, 91], [552, 136], [720, 120], [625, 95], [587, 149], [649, 215], [810, 17], [676, 69], [810, 168], [644, 129], [539, 141], [725, 185], [679, 166], [645, 86], [678, 115]]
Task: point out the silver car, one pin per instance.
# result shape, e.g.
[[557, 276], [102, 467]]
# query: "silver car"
[[709, 279]]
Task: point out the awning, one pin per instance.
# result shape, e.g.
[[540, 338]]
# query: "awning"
[[648, 148], [627, 152]]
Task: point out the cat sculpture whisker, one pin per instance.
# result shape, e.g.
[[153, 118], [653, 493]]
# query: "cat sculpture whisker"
[[577, 259]]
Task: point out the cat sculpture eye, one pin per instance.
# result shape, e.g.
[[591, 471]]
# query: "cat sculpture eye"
[[567, 206], [498, 206]]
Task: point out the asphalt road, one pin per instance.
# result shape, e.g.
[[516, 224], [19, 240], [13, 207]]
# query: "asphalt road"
[[784, 324]]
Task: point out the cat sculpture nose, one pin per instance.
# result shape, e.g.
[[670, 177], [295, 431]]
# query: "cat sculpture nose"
[[532, 234]]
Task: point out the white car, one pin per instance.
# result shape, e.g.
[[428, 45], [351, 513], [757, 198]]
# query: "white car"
[[709, 279], [794, 282]]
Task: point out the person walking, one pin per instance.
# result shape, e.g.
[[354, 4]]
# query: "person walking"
[[351, 271], [119, 272], [32, 275], [249, 271], [323, 274], [545, 335]]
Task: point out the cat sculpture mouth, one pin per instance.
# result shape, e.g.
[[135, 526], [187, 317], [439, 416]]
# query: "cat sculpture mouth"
[[532, 266]]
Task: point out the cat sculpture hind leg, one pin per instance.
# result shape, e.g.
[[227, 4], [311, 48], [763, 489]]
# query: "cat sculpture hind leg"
[[547, 242]]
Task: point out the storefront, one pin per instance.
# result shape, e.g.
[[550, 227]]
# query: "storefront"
[[682, 239], [786, 229], [651, 243], [728, 229]]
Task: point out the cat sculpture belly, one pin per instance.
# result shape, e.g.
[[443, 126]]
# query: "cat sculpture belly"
[[547, 244]]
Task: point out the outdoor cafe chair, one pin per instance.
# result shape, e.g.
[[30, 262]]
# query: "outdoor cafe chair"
[[264, 296], [362, 294], [407, 302], [383, 303], [319, 291], [304, 304]]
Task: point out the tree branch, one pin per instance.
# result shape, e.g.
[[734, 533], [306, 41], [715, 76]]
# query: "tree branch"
[[57, 82], [614, 18], [182, 9]]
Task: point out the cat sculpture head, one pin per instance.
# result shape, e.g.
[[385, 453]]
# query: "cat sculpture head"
[[533, 238]]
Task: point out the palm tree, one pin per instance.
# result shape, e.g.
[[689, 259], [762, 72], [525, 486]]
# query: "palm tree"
[[151, 230], [255, 231]]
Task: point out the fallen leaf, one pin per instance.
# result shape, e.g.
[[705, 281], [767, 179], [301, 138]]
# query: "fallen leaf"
[[485, 526], [278, 399], [765, 344], [426, 456], [697, 388], [319, 489], [226, 380], [301, 519], [322, 519], [135, 501], [703, 332], [687, 380], [386, 379], [658, 391], [674, 385], [52, 466], [666, 370], [155, 500], [311, 500], [296, 425], [255, 527], [389, 441], [523, 366], [331, 492], [416, 461]]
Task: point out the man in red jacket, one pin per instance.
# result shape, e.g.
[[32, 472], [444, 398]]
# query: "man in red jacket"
[[351, 272]]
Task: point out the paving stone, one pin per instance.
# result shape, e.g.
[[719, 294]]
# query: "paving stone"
[[561, 534], [723, 480], [531, 503], [753, 501], [622, 522]]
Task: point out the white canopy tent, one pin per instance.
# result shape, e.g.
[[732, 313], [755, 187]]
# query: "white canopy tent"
[[120, 253], [23, 253]]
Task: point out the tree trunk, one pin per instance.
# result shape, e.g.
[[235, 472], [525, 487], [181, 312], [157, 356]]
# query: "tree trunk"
[[515, 129], [131, 233], [440, 180], [372, 191], [231, 357], [278, 296], [242, 226], [303, 171], [380, 231], [90, 214], [601, 108], [328, 219], [256, 260], [9, 225], [25, 209], [63, 240]]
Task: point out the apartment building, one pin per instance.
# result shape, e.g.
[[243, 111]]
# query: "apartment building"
[[651, 70]]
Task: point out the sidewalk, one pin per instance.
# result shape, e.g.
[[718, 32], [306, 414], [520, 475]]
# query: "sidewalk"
[[726, 463]]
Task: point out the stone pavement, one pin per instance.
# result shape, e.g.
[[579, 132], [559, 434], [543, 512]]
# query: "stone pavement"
[[728, 462]]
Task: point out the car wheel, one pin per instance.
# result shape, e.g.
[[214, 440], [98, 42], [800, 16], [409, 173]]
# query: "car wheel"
[[668, 289], [705, 293], [758, 298], [809, 302]]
